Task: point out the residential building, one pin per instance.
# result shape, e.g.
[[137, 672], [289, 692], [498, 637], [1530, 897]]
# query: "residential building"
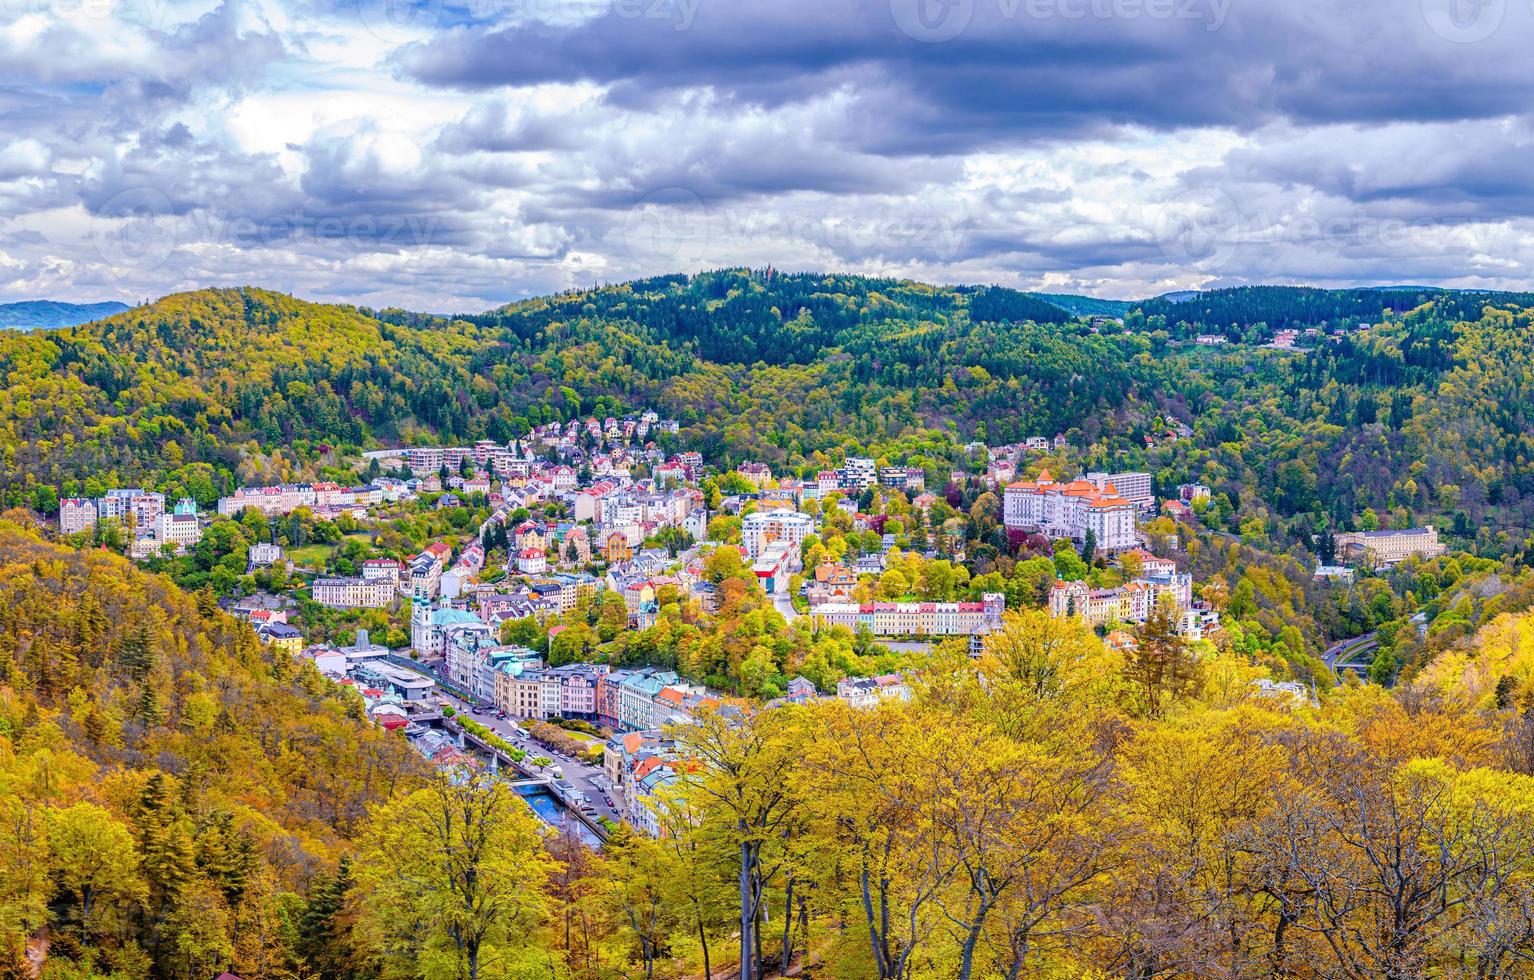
[[866, 692], [282, 637], [761, 529], [759, 474], [915, 618], [858, 473], [1135, 487], [353, 592], [1389, 547], [76, 514], [179, 527], [389, 570], [262, 555], [637, 693], [1132, 602]]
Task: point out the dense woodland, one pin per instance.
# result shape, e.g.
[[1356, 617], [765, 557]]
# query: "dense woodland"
[[1424, 417], [177, 799]]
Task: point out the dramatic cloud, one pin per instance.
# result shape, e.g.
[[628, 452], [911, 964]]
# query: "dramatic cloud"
[[453, 154]]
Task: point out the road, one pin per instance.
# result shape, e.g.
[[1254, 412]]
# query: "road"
[[1346, 651], [784, 603], [590, 780]]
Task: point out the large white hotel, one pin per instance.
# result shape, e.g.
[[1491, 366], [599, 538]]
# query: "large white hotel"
[[1070, 510], [916, 618]]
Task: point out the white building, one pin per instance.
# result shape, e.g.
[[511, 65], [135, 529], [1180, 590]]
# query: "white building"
[[1135, 487], [859, 472], [1070, 510], [353, 592], [763, 528], [76, 514]]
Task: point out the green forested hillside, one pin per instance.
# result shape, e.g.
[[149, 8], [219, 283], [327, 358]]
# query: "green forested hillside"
[[169, 786], [1228, 311], [1423, 417]]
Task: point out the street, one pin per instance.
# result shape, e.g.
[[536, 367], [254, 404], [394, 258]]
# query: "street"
[[589, 780], [784, 604]]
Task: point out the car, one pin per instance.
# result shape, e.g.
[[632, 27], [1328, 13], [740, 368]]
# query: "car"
[[501, 715]]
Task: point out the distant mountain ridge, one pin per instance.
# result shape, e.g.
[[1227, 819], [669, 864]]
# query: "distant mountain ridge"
[[44, 314]]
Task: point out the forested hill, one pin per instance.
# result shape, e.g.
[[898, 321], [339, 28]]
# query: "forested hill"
[[169, 785], [1280, 307], [36, 314], [1426, 415], [736, 317]]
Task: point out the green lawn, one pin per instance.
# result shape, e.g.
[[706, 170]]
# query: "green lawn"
[[314, 555], [310, 555]]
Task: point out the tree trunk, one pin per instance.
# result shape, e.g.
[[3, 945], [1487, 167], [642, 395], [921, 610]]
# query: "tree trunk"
[[747, 911], [788, 925], [703, 942], [971, 940]]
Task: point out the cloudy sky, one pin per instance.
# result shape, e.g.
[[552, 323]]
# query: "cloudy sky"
[[454, 154]]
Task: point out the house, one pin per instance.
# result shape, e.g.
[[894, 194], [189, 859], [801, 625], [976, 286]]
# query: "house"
[[532, 561], [759, 474], [282, 637], [831, 582], [616, 547], [800, 690], [1177, 510], [866, 692], [262, 555]]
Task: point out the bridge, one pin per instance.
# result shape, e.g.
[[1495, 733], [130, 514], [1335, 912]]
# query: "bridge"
[[1345, 654]]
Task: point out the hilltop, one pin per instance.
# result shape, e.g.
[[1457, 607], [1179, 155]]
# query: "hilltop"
[[1426, 413], [43, 314]]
